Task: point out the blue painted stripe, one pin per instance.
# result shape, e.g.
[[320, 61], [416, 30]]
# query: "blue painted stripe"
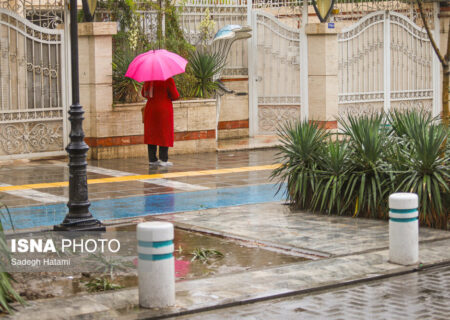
[[403, 210], [155, 257], [110, 209], [404, 220], [156, 244]]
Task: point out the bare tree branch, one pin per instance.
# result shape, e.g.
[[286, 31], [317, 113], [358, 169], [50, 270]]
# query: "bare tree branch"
[[441, 58]]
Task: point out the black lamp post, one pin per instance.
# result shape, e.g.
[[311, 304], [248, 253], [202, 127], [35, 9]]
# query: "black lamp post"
[[79, 218], [323, 8]]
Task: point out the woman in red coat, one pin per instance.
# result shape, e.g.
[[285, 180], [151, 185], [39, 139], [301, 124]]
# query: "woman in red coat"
[[158, 119]]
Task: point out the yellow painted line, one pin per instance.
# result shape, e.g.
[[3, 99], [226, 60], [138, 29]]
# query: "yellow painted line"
[[144, 177]]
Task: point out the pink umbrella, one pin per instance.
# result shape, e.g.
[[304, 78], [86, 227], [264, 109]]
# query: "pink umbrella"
[[156, 65]]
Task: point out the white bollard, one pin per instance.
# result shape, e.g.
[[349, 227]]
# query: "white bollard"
[[156, 264], [404, 228]]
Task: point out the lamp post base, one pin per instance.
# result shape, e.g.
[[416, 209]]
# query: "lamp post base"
[[80, 225]]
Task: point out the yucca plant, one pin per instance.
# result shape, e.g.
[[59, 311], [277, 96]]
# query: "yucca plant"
[[205, 67], [423, 168], [7, 292], [368, 182], [401, 121], [332, 177], [302, 146], [125, 90]]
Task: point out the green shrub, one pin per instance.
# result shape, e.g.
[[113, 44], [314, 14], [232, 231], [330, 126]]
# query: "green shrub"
[[332, 177], [132, 40], [402, 121], [302, 147], [205, 66], [421, 165], [368, 179], [185, 83], [355, 173], [7, 292], [124, 89]]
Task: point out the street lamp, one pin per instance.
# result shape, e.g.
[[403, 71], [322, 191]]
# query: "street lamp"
[[89, 9], [79, 218], [323, 8]]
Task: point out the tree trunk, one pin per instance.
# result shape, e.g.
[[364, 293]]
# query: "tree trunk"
[[445, 83], [444, 60], [445, 80]]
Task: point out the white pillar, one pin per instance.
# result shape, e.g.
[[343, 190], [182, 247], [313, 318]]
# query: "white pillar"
[[304, 107], [404, 228], [156, 264], [252, 72], [387, 61]]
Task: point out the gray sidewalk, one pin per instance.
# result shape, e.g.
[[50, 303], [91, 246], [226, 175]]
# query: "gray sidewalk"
[[343, 251], [420, 295]]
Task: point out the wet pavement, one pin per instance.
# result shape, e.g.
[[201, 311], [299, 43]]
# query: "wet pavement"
[[36, 192], [315, 233], [227, 194], [422, 295], [154, 204], [344, 263], [257, 142]]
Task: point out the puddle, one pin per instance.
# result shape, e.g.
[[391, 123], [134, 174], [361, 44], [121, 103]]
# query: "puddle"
[[238, 256]]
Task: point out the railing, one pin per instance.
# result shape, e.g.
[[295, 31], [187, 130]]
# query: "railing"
[[385, 60], [32, 87], [354, 10], [44, 13]]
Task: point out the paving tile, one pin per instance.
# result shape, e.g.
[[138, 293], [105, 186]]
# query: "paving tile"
[[276, 223], [47, 171], [364, 301]]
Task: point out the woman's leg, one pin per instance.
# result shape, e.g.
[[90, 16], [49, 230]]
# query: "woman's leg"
[[152, 153], [164, 153]]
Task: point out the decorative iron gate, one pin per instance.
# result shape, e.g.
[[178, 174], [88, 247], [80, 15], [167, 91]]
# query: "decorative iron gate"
[[275, 73], [32, 88], [385, 61]]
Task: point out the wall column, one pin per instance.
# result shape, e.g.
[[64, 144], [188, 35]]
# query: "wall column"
[[323, 73], [95, 51]]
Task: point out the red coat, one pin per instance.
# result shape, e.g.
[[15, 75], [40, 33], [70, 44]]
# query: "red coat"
[[158, 115]]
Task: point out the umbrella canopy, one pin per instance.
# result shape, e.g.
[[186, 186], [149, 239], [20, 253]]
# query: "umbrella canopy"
[[156, 65]]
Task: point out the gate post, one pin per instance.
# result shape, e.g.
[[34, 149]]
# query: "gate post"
[[323, 73], [252, 76], [96, 79], [387, 61], [304, 105]]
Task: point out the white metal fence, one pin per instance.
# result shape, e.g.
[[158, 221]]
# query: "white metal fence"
[[351, 10], [222, 12], [234, 13], [276, 60], [385, 59], [44, 13], [32, 85]]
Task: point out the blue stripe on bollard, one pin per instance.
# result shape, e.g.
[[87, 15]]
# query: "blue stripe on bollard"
[[156, 244], [155, 257], [403, 210], [404, 220]]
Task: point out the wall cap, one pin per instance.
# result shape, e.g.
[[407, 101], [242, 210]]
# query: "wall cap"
[[322, 28], [97, 28], [176, 104]]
